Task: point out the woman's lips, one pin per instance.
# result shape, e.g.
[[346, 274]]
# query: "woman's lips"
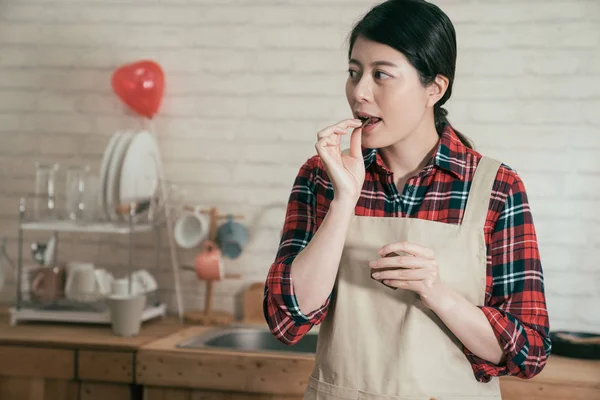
[[369, 126]]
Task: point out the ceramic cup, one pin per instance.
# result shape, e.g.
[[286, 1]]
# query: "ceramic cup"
[[86, 283], [232, 237], [191, 228], [120, 287], [209, 263], [48, 283], [126, 314], [146, 280]]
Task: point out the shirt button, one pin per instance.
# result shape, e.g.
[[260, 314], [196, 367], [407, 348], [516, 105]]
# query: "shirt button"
[[410, 190]]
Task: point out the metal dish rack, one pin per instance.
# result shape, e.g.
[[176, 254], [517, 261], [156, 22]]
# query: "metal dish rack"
[[66, 310]]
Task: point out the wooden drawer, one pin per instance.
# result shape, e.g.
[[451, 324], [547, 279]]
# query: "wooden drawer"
[[105, 366], [221, 371], [100, 391], [37, 362], [155, 393], [19, 388]]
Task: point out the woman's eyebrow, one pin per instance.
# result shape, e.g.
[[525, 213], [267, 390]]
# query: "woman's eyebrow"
[[374, 64]]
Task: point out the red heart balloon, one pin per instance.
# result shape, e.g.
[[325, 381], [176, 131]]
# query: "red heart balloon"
[[140, 85]]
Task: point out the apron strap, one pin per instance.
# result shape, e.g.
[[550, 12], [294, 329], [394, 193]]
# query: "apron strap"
[[481, 191]]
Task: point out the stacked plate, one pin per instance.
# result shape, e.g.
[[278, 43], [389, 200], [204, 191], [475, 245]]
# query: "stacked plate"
[[129, 171]]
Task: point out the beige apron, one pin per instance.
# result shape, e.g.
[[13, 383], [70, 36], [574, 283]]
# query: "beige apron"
[[380, 343]]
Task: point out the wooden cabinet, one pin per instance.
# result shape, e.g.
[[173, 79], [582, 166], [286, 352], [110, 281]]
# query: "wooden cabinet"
[[37, 362], [77, 363], [37, 389], [232, 375], [35, 373], [71, 361], [157, 393], [107, 375], [169, 372], [39, 373], [105, 366], [108, 391], [512, 389]]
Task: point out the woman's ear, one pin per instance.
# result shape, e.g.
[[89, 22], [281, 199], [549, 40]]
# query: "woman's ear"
[[437, 89]]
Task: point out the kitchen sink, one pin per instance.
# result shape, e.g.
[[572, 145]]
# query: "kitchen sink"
[[249, 339]]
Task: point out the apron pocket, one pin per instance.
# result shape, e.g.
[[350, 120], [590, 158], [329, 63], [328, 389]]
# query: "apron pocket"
[[319, 390]]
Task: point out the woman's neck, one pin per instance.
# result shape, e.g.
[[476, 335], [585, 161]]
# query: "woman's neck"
[[409, 156]]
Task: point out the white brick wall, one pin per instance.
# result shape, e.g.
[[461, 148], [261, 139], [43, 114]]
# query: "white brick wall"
[[249, 83]]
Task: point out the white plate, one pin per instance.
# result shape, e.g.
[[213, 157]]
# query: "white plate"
[[114, 174], [139, 173], [108, 152]]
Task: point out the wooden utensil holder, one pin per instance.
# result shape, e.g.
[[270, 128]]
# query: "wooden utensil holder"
[[209, 316]]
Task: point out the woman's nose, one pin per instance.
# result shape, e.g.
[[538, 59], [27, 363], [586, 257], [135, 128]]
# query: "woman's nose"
[[363, 92]]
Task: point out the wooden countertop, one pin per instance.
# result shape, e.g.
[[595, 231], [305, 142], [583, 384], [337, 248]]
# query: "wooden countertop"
[[569, 371], [161, 363], [86, 336]]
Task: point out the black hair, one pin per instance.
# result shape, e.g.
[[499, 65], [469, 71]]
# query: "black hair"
[[426, 37]]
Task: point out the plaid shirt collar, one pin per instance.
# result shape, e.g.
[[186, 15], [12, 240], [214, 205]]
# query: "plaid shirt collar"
[[449, 156]]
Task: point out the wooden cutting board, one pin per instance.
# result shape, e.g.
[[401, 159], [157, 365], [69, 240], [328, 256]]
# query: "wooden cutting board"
[[253, 304]]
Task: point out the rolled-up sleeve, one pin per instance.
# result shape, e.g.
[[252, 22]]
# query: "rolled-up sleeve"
[[515, 301], [282, 313]]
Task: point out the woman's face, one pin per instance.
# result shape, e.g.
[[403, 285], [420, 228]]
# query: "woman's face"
[[383, 84]]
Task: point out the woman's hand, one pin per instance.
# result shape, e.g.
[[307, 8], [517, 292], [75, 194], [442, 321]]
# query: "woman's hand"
[[416, 270], [346, 171]]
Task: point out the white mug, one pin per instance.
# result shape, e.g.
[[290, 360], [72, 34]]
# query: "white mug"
[[85, 283], [120, 288], [191, 228], [146, 280], [105, 280]]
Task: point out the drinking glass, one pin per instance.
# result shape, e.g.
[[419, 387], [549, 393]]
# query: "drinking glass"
[[44, 205]]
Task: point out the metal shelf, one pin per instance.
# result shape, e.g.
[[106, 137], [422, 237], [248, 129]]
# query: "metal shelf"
[[90, 317], [122, 228], [65, 311]]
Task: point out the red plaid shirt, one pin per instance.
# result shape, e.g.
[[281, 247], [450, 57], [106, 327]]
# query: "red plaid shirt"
[[515, 303]]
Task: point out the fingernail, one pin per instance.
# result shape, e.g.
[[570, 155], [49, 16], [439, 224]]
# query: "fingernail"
[[372, 264], [376, 275]]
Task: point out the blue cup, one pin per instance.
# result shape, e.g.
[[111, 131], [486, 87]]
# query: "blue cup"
[[232, 237]]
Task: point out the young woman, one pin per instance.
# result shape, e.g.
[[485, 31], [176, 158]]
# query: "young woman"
[[416, 254]]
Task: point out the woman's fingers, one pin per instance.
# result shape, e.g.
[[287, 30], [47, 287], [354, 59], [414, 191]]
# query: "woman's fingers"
[[349, 123], [326, 142], [341, 128], [400, 275], [356, 143], [407, 247], [401, 262]]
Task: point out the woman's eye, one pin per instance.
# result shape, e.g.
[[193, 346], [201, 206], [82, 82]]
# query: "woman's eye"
[[352, 73], [381, 75]]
